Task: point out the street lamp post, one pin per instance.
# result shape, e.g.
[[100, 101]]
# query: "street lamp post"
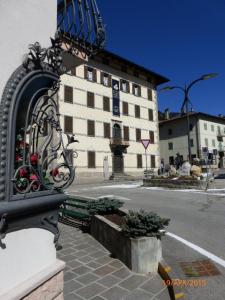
[[186, 101]]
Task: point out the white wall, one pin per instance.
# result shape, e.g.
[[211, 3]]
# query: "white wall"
[[23, 22]]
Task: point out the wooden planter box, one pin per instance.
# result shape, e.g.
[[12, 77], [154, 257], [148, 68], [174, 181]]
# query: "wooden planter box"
[[170, 183], [141, 255]]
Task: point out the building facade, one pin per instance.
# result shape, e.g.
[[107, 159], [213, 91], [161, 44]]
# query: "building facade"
[[206, 135], [110, 104]]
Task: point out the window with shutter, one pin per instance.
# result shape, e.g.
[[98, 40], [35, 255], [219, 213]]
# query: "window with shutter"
[[73, 71], [68, 124], [150, 115], [150, 94], [124, 86], [136, 90], [107, 130], [152, 137], [106, 103], [90, 99], [139, 161], [90, 128], [137, 111], [91, 74], [106, 79], [91, 159], [125, 109], [68, 94], [94, 75], [152, 161], [126, 135], [138, 134]]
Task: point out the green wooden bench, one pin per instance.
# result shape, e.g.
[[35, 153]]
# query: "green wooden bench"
[[75, 207]]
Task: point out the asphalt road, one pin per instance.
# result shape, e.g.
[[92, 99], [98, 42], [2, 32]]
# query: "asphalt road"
[[199, 218]]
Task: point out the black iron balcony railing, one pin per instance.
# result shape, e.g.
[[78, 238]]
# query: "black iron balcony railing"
[[80, 22]]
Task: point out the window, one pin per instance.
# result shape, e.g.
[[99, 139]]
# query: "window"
[[150, 95], [212, 128], [152, 161], [106, 103], [73, 71], [136, 90], [126, 134], [191, 127], [91, 159], [218, 130], [152, 137], [205, 126], [124, 86], [170, 146], [90, 100], [107, 130], [170, 131], [139, 161], [106, 79], [68, 124], [90, 128], [150, 115], [137, 111], [68, 94], [171, 160], [138, 135], [90, 74], [206, 142], [213, 143], [125, 109], [192, 142]]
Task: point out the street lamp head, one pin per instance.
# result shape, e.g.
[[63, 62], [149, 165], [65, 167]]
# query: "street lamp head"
[[208, 76], [166, 88]]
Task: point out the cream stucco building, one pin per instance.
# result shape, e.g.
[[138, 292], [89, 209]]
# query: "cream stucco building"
[[110, 104], [206, 135]]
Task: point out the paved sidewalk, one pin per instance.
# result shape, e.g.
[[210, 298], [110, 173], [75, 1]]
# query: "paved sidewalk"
[[92, 274]]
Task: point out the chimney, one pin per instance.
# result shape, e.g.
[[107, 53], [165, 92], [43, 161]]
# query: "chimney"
[[167, 114]]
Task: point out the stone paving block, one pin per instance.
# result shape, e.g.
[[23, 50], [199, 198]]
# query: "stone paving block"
[[91, 249], [102, 271], [80, 253], [109, 280], [104, 260], [85, 259], [115, 293], [90, 291], [153, 285], [93, 265], [87, 278], [122, 273], [74, 264], [97, 298], [71, 286], [72, 297], [98, 254], [116, 264], [133, 282], [81, 246], [82, 270], [66, 246], [68, 258], [139, 294], [66, 251], [164, 295], [69, 275]]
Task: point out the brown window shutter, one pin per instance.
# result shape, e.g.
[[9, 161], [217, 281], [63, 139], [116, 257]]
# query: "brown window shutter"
[[152, 161], [139, 161], [90, 99], [150, 94], [102, 76], [90, 128], [94, 75], [150, 115], [68, 124], [125, 109], [152, 137], [73, 71], [68, 94], [126, 135], [85, 72], [107, 130], [128, 87], [137, 111], [106, 103], [139, 91], [91, 159], [121, 82], [133, 85], [138, 134]]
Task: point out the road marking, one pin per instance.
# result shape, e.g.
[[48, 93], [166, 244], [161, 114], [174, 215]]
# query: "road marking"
[[200, 250]]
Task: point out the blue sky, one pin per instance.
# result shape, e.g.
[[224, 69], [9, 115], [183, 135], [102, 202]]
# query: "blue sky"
[[180, 39]]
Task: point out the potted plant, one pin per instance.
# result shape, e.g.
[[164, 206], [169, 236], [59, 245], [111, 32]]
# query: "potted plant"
[[134, 238]]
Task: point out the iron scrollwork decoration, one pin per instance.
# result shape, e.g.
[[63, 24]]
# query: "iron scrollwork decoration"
[[81, 22]]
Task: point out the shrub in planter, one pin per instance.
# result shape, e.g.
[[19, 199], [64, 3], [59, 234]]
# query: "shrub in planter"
[[143, 223], [104, 206]]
